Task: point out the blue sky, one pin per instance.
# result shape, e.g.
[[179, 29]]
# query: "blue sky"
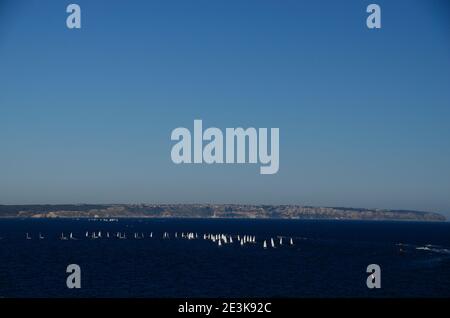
[[86, 115]]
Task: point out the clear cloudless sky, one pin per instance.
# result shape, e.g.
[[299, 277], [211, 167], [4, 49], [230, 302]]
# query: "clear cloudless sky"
[[364, 115]]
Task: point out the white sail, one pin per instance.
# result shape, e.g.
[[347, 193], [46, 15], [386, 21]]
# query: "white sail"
[[265, 244], [291, 242], [281, 241], [272, 242]]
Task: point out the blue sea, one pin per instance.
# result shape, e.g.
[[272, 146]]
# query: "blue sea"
[[328, 258]]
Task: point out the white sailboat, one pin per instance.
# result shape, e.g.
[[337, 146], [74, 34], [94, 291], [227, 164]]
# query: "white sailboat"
[[272, 243], [291, 242], [28, 236], [63, 238], [41, 237], [281, 241], [265, 244]]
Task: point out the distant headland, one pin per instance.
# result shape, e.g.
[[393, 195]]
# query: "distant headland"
[[211, 211]]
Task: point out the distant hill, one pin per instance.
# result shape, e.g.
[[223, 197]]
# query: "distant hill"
[[212, 211]]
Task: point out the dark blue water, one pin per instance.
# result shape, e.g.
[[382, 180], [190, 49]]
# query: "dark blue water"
[[329, 259]]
